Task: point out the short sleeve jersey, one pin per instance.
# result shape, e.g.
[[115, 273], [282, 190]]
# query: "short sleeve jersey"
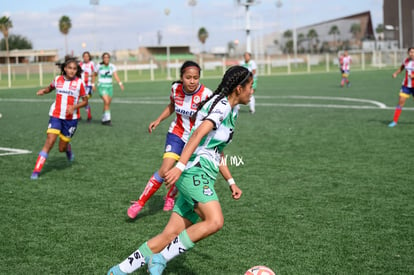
[[185, 106], [87, 70], [68, 93], [346, 63], [409, 70], [105, 73], [211, 146]]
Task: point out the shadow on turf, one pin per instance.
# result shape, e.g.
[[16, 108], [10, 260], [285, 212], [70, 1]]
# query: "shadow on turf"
[[56, 163], [153, 206]]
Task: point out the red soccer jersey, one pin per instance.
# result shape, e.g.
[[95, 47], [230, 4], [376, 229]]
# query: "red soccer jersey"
[[409, 70], [68, 93], [346, 63], [185, 106], [88, 70]]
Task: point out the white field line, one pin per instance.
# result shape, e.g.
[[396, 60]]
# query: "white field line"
[[11, 151], [370, 104]]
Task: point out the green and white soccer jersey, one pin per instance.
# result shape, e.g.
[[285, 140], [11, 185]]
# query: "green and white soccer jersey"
[[209, 150], [251, 66], [105, 73]]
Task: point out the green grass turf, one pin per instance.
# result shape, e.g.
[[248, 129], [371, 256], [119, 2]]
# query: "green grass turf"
[[326, 190]]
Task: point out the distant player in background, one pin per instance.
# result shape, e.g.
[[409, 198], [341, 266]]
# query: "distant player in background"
[[195, 175], [64, 112], [407, 88], [88, 69], [345, 68], [251, 65], [186, 94], [105, 71]]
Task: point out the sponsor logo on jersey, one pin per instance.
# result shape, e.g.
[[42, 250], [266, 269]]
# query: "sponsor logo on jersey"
[[184, 112], [168, 148]]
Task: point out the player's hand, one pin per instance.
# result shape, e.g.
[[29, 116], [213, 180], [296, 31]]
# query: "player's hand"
[[41, 92], [236, 192], [93, 88], [172, 176], [394, 75], [70, 110], [153, 125]]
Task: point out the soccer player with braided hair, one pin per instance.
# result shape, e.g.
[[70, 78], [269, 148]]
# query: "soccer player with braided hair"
[[194, 176], [64, 112]]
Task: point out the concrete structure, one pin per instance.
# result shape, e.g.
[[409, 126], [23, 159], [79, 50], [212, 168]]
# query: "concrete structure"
[[396, 15]]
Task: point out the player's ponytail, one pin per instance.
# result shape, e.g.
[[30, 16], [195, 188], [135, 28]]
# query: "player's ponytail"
[[234, 76]]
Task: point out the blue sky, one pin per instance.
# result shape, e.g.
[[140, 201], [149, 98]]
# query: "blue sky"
[[128, 24]]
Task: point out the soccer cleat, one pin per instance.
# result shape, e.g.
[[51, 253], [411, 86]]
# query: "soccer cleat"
[[107, 123], [348, 84], [115, 270], [34, 176], [168, 204], [70, 155], [156, 264], [134, 209], [392, 124]]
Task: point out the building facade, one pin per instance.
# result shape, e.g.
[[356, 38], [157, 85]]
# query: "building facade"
[[392, 10]]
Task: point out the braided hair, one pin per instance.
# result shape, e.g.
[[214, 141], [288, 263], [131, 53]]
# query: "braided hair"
[[187, 64], [234, 76], [69, 59]]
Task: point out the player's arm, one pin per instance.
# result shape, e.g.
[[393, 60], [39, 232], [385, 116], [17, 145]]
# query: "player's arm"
[[174, 174], [169, 110], [83, 103], [118, 80], [46, 90], [400, 69], [236, 192]]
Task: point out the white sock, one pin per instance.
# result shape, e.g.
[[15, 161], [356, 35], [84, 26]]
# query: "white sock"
[[252, 104], [136, 259], [179, 245]]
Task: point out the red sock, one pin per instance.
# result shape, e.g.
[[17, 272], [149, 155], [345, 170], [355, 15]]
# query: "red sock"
[[41, 159], [172, 192], [152, 186], [397, 113], [88, 110]]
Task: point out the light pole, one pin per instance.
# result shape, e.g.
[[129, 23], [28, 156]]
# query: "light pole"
[[247, 4], [167, 12], [94, 3], [192, 4]]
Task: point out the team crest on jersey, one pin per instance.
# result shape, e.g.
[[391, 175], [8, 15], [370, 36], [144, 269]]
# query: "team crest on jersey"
[[168, 148], [207, 191], [196, 99]]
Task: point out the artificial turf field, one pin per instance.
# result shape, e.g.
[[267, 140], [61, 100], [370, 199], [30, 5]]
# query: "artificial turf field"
[[327, 186]]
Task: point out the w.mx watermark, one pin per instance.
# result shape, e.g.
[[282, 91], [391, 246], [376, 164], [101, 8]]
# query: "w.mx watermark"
[[231, 160]]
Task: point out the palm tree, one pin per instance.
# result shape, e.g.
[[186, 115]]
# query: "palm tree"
[[334, 31], [5, 25], [301, 38], [64, 26], [202, 35], [289, 43], [355, 30], [312, 35]]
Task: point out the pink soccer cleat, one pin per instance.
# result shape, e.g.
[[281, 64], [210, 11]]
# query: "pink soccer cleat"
[[134, 209], [169, 204]]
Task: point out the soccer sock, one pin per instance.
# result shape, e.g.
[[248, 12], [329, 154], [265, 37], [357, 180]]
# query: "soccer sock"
[[179, 245], [252, 103], [342, 82], [136, 259], [69, 151], [88, 111], [397, 113], [172, 192], [41, 159], [107, 115], [153, 185]]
